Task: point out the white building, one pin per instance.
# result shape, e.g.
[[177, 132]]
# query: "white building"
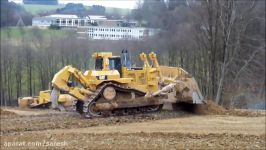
[[60, 20], [96, 27], [116, 33], [42, 21]]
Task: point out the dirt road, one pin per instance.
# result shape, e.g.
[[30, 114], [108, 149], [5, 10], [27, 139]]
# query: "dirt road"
[[44, 129], [189, 124]]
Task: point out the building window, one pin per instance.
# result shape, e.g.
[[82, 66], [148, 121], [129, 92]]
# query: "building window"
[[82, 23]]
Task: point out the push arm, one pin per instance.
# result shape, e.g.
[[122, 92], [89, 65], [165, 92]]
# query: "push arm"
[[61, 79]]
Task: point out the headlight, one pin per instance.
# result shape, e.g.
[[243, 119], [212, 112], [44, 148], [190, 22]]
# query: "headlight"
[[103, 77]]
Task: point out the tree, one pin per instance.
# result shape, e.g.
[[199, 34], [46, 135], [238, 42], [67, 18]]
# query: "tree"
[[11, 13]]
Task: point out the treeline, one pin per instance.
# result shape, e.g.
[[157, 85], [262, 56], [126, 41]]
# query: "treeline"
[[13, 14], [81, 10], [30, 61]]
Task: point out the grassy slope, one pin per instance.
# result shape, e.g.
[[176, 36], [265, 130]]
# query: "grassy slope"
[[15, 33], [121, 11], [36, 9]]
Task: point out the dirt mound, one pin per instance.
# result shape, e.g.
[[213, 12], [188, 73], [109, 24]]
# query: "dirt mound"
[[210, 109], [5, 112]]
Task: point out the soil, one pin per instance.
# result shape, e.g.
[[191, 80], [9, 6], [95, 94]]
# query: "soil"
[[212, 127]]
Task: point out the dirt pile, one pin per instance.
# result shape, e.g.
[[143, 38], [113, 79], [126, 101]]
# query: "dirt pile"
[[210, 109], [5, 112]]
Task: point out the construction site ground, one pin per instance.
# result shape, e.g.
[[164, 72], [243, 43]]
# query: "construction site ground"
[[210, 127]]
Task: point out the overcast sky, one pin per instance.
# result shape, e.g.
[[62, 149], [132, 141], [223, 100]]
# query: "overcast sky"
[[107, 3]]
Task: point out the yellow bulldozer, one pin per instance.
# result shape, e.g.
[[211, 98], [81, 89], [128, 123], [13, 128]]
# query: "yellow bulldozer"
[[115, 87]]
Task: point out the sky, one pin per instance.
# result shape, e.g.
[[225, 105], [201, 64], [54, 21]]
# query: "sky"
[[107, 3]]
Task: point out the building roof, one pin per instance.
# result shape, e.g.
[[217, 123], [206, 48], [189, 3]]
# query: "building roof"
[[42, 18], [63, 16], [94, 17]]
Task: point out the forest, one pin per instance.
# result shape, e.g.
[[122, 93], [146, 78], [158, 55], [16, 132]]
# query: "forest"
[[220, 42]]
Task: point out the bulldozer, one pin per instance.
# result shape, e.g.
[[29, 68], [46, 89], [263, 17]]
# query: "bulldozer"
[[115, 87]]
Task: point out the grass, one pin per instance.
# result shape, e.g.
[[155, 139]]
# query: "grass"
[[120, 11], [15, 33], [36, 9], [112, 10]]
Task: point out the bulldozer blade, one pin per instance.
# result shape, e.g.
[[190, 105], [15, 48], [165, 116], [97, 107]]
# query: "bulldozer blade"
[[44, 105], [197, 98], [54, 97]]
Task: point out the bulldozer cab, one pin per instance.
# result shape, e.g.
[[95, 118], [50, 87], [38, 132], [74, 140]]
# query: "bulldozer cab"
[[105, 61]]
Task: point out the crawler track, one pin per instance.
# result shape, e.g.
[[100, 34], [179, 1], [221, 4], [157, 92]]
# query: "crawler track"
[[127, 110]]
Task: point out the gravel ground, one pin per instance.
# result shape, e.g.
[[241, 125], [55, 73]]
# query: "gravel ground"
[[46, 129]]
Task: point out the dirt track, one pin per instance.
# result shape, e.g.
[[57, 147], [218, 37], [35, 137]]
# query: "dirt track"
[[44, 129]]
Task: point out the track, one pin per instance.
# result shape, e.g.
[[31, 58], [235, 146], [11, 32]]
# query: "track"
[[126, 110]]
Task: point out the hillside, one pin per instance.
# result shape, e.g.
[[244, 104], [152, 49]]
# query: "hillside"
[[37, 9]]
